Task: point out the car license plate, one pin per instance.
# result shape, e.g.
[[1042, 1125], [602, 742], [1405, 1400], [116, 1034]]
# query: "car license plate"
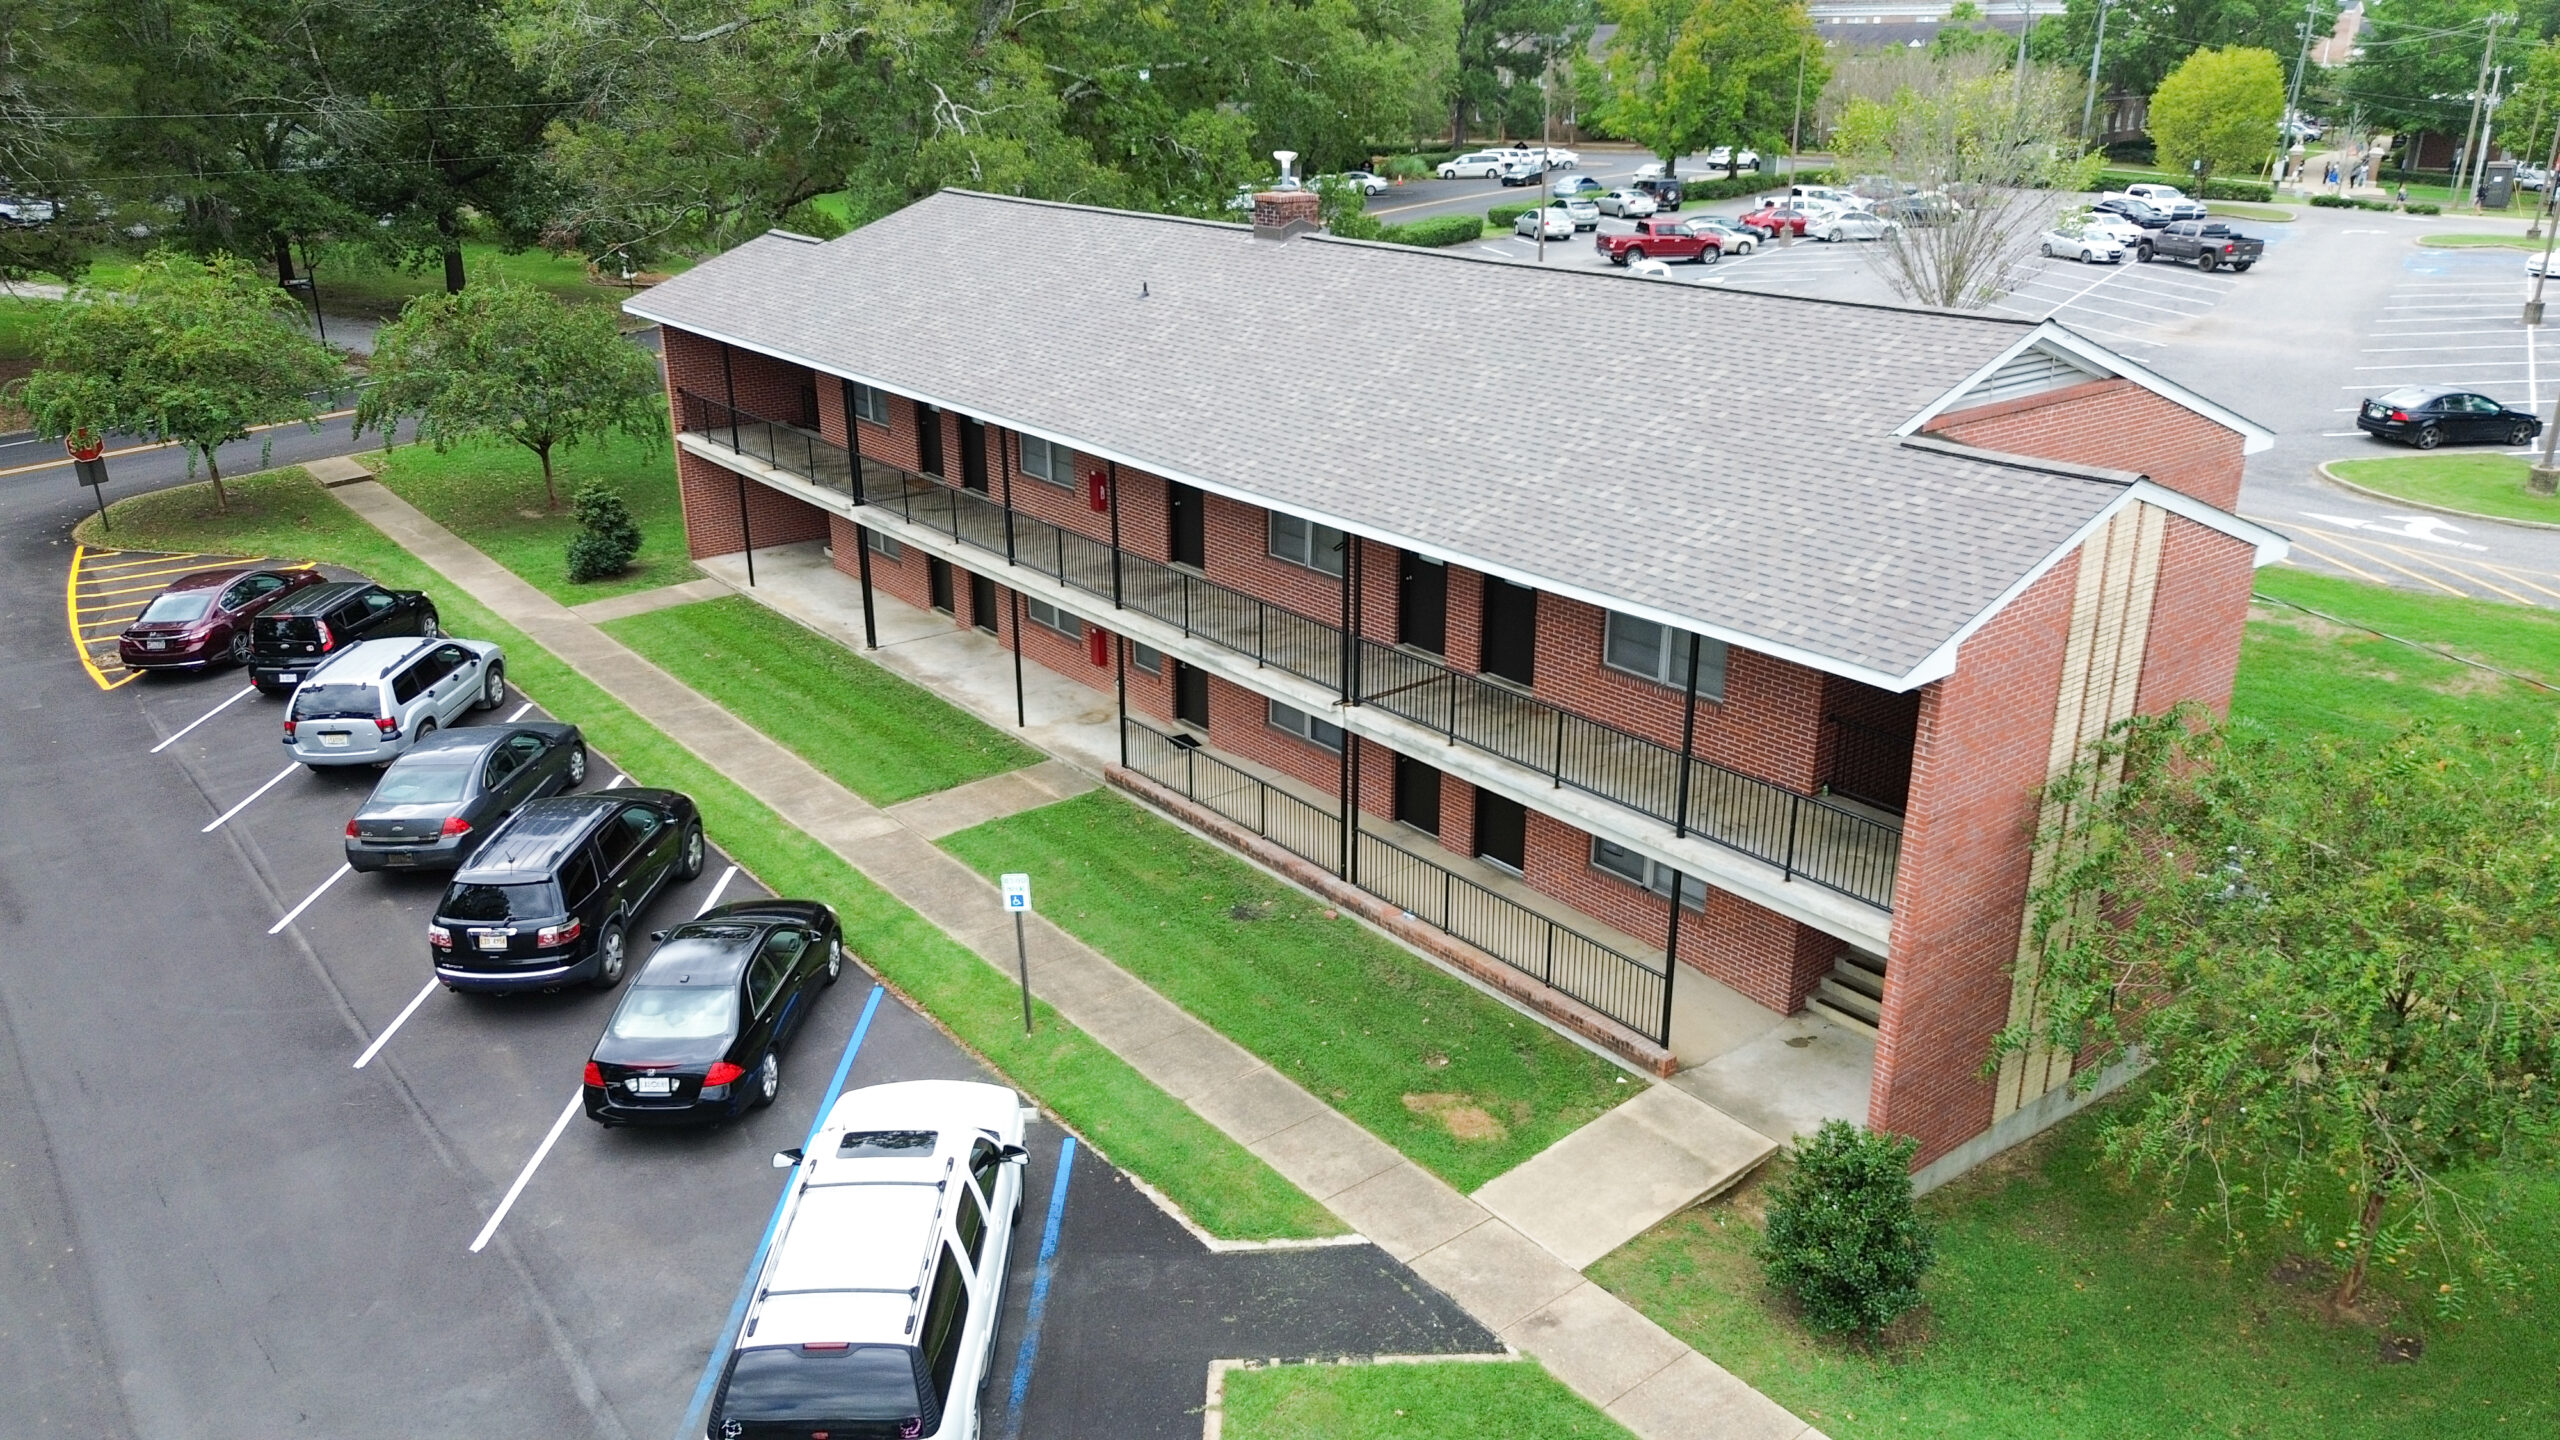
[[333, 739], [290, 677], [155, 644], [399, 857], [489, 939], [652, 1085]]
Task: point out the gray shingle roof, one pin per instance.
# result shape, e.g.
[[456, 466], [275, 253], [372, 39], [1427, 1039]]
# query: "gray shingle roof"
[[1717, 457]]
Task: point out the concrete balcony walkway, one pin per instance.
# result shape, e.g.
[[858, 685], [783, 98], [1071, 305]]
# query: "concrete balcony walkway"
[[1534, 1298]]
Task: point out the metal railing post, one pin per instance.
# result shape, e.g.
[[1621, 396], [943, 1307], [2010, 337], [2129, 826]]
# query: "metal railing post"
[[1670, 957], [1688, 740], [1795, 812]]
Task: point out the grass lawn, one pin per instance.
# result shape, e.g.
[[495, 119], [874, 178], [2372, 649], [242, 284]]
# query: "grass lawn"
[[2241, 210], [1464, 1085], [883, 738], [1222, 1186], [491, 495], [2306, 675], [18, 322], [2064, 1306], [2480, 483], [1451, 1400], [2473, 242], [353, 280]]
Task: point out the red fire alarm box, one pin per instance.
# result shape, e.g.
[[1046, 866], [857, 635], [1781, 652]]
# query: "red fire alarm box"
[[1097, 646], [1097, 492]]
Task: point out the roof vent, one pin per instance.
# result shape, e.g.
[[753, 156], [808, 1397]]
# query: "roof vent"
[[1287, 208]]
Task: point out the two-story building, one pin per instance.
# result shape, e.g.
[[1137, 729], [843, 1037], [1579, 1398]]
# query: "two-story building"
[[1732, 634]]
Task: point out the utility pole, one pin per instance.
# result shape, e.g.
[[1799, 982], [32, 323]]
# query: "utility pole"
[[2488, 126], [2479, 92], [1795, 127], [2293, 95], [2018, 72], [2089, 107]]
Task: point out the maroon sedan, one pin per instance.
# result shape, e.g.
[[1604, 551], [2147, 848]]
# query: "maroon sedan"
[[203, 618], [1778, 219]]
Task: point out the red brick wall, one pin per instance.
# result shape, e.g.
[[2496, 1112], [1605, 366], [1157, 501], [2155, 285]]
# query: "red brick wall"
[[1769, 723], [1238, 550], [903, 578], [711, 511], [2114, 423], [2197, 617], [766, 387], [1985, 737], [1240, 724]]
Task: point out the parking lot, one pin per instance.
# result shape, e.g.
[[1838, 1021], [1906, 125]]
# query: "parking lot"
[[274, 1179]]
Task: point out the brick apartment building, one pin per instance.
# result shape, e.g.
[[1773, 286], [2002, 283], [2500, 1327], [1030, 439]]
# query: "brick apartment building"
[[1782, 607]]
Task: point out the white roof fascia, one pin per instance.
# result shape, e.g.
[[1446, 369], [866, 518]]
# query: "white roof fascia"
[[2269, 545], [2254, 437], [1814, 660]]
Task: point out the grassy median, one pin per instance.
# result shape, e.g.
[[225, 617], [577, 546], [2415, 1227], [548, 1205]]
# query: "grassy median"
[[2480, 484], [491, 495], [1463, 1084], [879, 736], [1448, 1400], [2305, 674], [1222, 1186]]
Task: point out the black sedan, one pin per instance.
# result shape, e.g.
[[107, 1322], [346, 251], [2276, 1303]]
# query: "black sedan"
[[442, 797], [2141, 212], [2428, 418], [698, 1036]]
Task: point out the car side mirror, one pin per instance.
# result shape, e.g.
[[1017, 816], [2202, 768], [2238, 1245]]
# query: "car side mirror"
[[785, 1159], [1014, 1154]]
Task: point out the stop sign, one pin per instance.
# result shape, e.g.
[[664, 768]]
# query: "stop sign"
[[84, 444]]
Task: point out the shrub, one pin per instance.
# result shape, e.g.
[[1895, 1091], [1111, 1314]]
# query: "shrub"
[[2335, 202], [2257, 190], [2118, 179], [1501, 216], [607, 537], [2421, 207], [1844, 1237], [1407, 167], [1437, 231]]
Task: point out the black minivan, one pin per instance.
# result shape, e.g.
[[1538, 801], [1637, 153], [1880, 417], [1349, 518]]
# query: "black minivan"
[[290, 638], [550, 898]]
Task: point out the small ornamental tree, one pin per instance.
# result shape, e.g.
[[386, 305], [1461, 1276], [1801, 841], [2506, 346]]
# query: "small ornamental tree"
[[607, 536], [1844, 1237], [2341, 961], [504, 361], [2221, 108], [200, 354]]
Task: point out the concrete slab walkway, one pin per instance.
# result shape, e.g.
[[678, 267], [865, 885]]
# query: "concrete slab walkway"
[[641, 602], [1537, 1301]]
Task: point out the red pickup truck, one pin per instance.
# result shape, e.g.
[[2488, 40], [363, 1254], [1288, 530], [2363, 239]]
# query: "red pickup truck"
[[1661, 240]]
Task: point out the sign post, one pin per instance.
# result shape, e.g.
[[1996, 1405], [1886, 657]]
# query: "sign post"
[[89, 464], [1017, 899]]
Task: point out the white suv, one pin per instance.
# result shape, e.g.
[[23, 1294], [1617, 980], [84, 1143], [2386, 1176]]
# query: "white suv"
[[371, 701], [876, 1310]]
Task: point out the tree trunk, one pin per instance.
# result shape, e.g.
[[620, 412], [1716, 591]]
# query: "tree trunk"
[[1458, 123], [550, 496], [2368, 1226], [213, 468], [284, 258], [450, 231]]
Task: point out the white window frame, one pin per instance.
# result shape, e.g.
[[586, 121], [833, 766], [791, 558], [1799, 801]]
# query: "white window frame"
[[1052, 458], [883, 544], [1305, 544], [870, 403], [1654, 877], [1623, 641], [1290, 720], [1146, 657], [1057, 619]]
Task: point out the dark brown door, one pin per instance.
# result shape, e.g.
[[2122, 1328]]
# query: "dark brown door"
[[1417, 794], [982, 602], [1422, 604], [928, 439], [1190, 695], [1510, 630], [1190, 539], [973, 455], [1502, 831], [938, 581]]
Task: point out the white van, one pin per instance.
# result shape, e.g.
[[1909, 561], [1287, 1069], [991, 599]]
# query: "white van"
[[876, 1310]]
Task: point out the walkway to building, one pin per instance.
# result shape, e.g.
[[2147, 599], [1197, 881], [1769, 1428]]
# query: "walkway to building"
[[1496, 1254]]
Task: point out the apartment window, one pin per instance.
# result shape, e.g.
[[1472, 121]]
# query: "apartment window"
[[1304, 542], [1305, 726], [884, 546], [1048, 460], [871, 405], [1660, 654], [1146, 657], [1044, 613], [1636, 869]]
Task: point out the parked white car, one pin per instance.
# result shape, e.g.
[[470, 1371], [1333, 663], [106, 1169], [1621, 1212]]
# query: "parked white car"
[[1553, 220], [2115, 227], [1626, 204], [1852, 225], [367, 704], [2083, 242], [877, 1307], [1361, 180], [1723, 158], [1732, 239], [1482, 165], [1830, 195], [1650, 268]]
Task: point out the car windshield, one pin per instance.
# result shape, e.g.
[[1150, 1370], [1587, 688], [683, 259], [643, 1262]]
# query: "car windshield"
[[2408, 397], [422, 784], [812, 1384], [535, 901], [178, 605], [675, 1012], [325, 702]]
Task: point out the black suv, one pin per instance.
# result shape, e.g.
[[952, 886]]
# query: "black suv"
[[289, 638], [1666, 193], [549, 899]]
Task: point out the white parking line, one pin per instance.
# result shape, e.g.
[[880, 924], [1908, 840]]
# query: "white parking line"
[[243, 805], [524, 1177], [616, 782], [2447, 365], [396, 1022], [245, 692], [519, 712], [717, 888], [341, 873], [2428, 349]]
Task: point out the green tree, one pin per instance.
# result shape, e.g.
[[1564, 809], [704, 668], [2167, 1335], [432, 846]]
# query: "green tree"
[[607, 536], [195, 353], [1681, 75], [1843, 1235], [2341, 962], [1967, 31], [2220, 107], [2418, 61], [2146, 39], [1504, 51], [505, 361]]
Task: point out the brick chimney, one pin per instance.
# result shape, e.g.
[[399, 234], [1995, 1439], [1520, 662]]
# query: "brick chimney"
[[1285, 210]]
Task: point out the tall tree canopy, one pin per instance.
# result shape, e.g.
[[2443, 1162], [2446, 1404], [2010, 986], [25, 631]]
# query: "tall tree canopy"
[[2146, 39], [2219, 111], [1505, 49], [1682, 75]]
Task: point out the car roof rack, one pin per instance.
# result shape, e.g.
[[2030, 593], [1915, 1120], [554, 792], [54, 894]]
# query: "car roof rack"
[[933, 1241]]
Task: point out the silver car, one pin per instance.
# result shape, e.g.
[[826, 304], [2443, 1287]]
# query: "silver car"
[[1626, 204], [1557, 224], [376, 698], [1852, 225], [1586, 216]]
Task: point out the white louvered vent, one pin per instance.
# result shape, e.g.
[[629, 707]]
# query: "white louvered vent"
[[2031, 371]]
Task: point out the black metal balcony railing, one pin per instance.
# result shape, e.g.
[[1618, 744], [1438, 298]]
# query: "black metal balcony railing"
[[1626, 989], [1803, 835]]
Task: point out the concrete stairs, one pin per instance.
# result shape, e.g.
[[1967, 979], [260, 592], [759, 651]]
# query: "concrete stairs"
[[1853, 993]]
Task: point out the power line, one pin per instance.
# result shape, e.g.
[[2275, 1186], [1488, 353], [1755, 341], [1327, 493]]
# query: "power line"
[[309, 110]]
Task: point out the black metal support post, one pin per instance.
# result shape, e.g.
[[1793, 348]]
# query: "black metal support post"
[[1120, 684], [1004, 466], [1688, 740], [729, 387], [853, 439], [1021, 717], [1351, 807], [746, 537], [1111, 478], [1350, 742], [862, 562], [1671, 955]]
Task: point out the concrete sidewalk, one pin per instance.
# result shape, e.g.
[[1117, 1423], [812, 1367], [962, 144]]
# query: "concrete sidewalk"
[[1534, 1298]]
